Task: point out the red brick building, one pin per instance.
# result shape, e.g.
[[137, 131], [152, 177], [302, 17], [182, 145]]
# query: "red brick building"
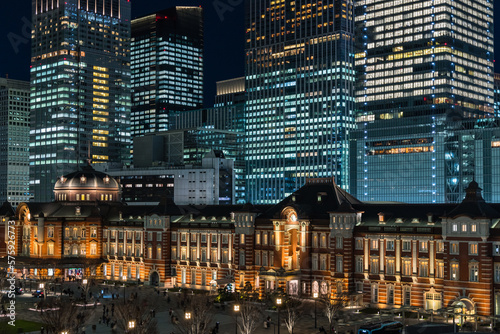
[[319, 239]]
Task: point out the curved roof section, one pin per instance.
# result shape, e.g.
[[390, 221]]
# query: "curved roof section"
[[86, 179]]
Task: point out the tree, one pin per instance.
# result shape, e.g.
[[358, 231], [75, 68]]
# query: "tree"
[[294, 310], [333, 306], [63, 315], [197, 316], [140, 312], [250, 315]]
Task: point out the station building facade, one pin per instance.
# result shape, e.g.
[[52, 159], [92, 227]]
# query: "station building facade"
[[319, 239]]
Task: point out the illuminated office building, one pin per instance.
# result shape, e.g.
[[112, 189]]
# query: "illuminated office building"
[[421, 66], [14, 140], [167, 67], [80, 87], [299, 82], [497, 94]]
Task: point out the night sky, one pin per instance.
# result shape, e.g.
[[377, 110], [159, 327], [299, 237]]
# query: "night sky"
[[224, 38]]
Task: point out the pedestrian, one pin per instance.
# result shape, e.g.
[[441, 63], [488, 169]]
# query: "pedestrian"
[[168, 299], [42, 330], [153, 312]]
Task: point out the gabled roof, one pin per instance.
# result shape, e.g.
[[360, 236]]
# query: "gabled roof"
[[316, 199], [474, 205]]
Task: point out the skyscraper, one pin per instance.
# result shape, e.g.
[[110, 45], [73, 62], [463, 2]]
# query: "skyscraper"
[[299, 81], [14, 140], [167, 67], [421, 66], [80, 87]]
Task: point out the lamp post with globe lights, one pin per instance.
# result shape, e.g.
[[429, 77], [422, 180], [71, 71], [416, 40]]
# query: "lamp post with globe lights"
[[236, 310], [315, 296], [278, 303]]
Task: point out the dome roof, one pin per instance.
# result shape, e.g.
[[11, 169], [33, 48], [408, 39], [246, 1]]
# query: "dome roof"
[[86, 179]]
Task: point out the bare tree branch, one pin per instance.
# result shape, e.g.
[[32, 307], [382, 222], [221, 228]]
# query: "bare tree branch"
[[250, 316], [294, 310], [61, 315], [201, 315]]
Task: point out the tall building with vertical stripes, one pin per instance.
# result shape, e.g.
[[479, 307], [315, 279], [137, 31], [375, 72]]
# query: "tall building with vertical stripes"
[[80, 87], [167, 67], [14, 140], [422, 68], [300, 102]]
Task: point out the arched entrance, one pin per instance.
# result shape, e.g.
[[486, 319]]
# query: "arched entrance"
[[154, 278], [463, 309]]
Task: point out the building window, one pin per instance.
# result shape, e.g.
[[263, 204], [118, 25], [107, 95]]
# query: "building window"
[[183, 276], [93, 248], [214, 238], [406, 295], [265, 261], [158, 236], [315, 240], [193, 254], [193, 237], [204, 238], [265, 238], [497, 273], [464, 227], [173, 237], [390, 294], [407, 267], [424, 246], [454, 227], [150, 236], [257, 258], [423, 268], [439, 246], [359, 264], [339, 241], [158, 252], [315, 262], [214, 256], [454, 274], [374, 266], [474, 272], [203, 255], [432, 301], [496, 249], [225, 238], [93, 232], [183, 237], [406, 245], [359, 287], [225, 256], [359, 243], [374, 244], [50, 248], [203, 278], [375, 293], [473, 228], [390, 266], [50, 232], [257, 238], [453, 247], [440, 269], [390, 245], [339, 262], [242, 258], [473, 249]]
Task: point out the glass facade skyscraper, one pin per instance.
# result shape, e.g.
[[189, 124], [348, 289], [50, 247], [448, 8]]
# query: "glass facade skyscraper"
[[299, 82], [167, 67], [14, 140], [421, 65], [80, 87]]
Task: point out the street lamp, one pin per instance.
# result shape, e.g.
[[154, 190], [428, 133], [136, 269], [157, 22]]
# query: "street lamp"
[[278, 302], [187, 316], [42, 287], [124, 280], [315, 296], [64, 332], [131, 325], [236, 310]]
